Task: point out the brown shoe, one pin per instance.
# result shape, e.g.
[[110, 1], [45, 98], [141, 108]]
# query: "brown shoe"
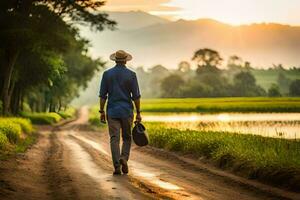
[[117, 171], [124, 165]]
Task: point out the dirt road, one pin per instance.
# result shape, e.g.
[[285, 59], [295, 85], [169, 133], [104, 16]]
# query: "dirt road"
[[72, 163]]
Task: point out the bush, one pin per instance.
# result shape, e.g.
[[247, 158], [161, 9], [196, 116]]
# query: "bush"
[[68, 113], [3, 141], [24, 123], [42, 118], [11, 130], [274, 91]]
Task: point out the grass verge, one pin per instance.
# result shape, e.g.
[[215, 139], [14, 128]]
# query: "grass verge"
[[42, 118], [16, 134], [68, 113], [243, 104], [270, 160]]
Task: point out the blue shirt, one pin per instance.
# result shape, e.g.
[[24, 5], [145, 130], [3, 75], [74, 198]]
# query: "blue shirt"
[[121, 86]]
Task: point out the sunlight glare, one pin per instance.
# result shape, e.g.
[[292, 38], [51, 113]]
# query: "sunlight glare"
[[223, 117]]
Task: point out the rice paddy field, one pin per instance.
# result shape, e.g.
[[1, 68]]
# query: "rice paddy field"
[[272, 160], [244, 104], [258, 138]]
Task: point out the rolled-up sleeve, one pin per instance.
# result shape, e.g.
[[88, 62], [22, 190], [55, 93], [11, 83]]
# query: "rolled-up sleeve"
[[103, 87], [135, 91]]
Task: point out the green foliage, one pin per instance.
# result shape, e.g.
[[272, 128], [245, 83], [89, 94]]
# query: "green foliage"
[[94, 117], [274, 91], [258, 104], [25, 124], [268, 159], [171, 85], [68, 113], [23, 144], [44, 60], [42, 118], [11, 130], [282, 77], [3, 141], [245, 85], [295, 88]]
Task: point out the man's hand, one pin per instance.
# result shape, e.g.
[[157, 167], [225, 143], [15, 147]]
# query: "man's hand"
[[138, 117], [103, 118]]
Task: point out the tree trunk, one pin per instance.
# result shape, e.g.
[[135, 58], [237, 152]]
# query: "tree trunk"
[[8, 84], [15, 101], [22, 101]]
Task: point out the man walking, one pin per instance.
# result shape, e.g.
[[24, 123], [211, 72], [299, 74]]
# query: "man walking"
[[120, 85]]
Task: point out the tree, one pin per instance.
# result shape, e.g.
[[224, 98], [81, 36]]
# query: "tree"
[[171, 86], [247, 66], [157, 73], [235, 63], [283, 82], [196, 89], [35, 26], [244, 84], [273, 91], [295, 88], [207, 60], [184, 67]]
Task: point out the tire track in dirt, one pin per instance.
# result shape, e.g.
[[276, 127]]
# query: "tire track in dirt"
[[146, 190], [58, 177], [142, 177], [201, 183]]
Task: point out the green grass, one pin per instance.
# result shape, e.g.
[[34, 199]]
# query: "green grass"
[[243, 104], [11, 130], [94, 117], [16, 134], [25, 124], [3, 141], [42, 118], [271, 160], [68, 113], [23, 144]]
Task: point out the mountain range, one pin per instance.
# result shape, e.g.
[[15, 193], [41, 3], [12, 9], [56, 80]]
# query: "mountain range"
[[153, 40]]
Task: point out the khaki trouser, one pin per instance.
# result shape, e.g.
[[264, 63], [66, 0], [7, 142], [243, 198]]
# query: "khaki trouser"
[[114, 126]]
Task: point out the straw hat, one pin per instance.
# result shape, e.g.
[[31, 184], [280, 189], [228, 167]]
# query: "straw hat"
[[120, 56]]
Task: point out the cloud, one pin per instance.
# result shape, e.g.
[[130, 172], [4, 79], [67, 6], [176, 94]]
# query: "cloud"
[[144, 5]]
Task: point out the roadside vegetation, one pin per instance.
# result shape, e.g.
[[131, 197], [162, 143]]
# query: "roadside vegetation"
[[271, 160], [94, 117], [244, 104], [16, 134], [48, 117]]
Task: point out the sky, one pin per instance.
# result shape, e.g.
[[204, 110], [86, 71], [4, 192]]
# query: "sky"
[[234, 12]]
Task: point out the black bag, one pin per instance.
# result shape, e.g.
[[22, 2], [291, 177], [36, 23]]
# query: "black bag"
[[139, 135]]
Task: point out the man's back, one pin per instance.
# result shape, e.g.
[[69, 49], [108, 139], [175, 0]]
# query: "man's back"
[[120, 84]]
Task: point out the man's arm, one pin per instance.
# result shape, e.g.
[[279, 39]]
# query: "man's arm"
[[103, 96], [136, 96], [101, 110], [137, 104]]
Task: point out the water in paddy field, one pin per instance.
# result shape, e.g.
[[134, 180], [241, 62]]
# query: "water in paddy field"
[[282, 125]]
